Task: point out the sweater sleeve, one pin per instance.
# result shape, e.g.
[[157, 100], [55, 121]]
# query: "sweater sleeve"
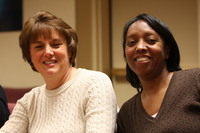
[[18, 120], [101, 107]]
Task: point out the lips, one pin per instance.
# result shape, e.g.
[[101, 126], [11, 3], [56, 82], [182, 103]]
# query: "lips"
[[142, 59], [49, 62]]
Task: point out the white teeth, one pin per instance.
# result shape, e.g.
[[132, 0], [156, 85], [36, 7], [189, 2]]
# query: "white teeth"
[[49, 62], [142, 59]]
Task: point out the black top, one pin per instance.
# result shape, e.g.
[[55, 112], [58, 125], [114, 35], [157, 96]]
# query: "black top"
[[4, 111]]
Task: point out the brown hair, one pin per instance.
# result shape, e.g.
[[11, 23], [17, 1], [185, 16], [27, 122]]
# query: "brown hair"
[[41, 24]]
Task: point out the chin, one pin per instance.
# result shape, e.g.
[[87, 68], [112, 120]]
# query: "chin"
[[49, 73]]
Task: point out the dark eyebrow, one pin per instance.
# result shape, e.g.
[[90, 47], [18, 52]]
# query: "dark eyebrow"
[[130, 36], [150, 34]]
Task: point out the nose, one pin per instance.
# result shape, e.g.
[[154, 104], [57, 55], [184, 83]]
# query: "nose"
[[141, 47], [48, 52]]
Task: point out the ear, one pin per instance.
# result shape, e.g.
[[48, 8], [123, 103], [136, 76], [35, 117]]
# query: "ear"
[[167, 51]]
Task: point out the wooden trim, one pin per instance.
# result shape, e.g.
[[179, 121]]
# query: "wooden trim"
[[118, 72]]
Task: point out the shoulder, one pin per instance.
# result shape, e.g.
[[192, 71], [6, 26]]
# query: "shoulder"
[[128, 105], [188, 78], [92, 72], [95, 83], [32, 94], [188, 74], [36, 90], [189, 71], [2, 94], [93, 76], [29, 99], [3, 100]]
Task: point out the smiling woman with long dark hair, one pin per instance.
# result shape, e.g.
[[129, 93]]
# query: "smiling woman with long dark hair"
[[168, 98]]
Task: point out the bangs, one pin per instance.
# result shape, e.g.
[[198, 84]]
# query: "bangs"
[[40, 30]]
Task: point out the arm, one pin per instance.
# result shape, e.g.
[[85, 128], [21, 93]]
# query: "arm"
[[101, 107]]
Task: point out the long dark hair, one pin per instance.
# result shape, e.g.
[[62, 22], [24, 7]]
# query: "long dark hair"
[[173, 62]]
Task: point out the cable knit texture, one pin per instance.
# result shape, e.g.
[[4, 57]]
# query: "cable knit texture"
[[84, 104], [179, 112]]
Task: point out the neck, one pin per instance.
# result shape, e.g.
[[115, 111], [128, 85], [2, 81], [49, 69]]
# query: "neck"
[[160, 82], [154, 91]]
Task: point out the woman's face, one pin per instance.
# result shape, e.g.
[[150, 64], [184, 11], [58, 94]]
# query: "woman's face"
[[50, 55], [144, 50]]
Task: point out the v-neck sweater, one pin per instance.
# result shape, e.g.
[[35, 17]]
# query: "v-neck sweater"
[[84, 104], [178, 113]]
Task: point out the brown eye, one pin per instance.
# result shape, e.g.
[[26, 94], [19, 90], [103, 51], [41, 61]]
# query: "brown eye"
[[38, 46], [131, 43], [55, 45], [152, 41]]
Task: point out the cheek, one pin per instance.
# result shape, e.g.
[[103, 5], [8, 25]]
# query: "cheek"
[[35, 56], [128, 53], [62, 56]]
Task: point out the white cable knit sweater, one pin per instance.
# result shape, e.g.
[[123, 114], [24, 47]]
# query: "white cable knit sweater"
[[84, 104]]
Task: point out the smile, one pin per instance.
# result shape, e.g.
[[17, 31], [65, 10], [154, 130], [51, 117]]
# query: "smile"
[[49, 62], [142, 59]]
